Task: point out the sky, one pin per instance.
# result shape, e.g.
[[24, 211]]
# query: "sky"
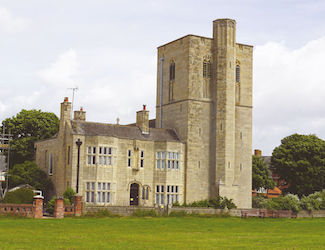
[[108, 49]]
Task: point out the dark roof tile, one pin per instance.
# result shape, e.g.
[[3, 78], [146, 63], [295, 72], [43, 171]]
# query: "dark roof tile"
[[123, 131]]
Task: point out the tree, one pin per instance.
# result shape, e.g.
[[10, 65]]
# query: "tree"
[[29, 173], [300, 161], [27, 127], [261, 175]]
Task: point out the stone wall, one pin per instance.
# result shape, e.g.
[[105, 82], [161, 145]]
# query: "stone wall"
[[117, 210]]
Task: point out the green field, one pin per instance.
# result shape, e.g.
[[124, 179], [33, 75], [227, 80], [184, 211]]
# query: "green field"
[[161, 233]]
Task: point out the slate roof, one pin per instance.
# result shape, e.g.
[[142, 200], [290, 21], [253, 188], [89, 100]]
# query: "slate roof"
[[123, 131]]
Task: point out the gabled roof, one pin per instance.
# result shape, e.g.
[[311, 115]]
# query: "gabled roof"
[[123, 131]]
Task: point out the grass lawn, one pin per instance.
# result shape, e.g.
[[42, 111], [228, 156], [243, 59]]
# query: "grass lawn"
[[161, 233]]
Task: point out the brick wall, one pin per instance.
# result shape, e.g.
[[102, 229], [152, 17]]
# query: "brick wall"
[[34, 210]]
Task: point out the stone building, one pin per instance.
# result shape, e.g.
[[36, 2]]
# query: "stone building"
[[199, 145]]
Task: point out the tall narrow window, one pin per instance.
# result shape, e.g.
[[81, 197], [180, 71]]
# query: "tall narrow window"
[[68, 155], [206, 77], [206, 69], [171, 81], [145, 193], [160, 194], [172, 194], [129, 158], [237, 73], [172, 71], [142, 159], [51, 164]]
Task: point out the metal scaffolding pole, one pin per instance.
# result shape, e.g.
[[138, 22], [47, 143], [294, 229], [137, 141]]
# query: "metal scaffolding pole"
[[5, 139]]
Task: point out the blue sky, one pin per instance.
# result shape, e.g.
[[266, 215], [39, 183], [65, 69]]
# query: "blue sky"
[[108, 50]]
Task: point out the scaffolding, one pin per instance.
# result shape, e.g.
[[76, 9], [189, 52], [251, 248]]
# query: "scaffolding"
[[5, 139]]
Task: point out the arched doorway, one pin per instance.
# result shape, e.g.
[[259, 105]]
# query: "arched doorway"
[[134, 194]]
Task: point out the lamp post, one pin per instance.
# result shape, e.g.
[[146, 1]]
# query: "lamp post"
[[78, 142]]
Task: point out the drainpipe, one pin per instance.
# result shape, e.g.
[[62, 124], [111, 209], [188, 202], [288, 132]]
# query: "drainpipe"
[[78, 142], [161, 90]]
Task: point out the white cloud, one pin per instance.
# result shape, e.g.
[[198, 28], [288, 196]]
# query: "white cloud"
[[8, 23], [63, 72], [289, 91], [2, 107]]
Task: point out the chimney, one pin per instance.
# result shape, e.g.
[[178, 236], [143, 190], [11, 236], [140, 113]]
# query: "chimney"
[[143, 120], [65, 112], [258, 152], [79, 115]]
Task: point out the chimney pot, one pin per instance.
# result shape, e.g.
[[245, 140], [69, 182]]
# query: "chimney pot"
[[66, 99], [81, 109], [258, 152], [144, 107]]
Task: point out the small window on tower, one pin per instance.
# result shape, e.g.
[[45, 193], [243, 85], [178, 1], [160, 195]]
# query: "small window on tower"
[[171, 81], [237, 73], [206, 69], [172, 71]]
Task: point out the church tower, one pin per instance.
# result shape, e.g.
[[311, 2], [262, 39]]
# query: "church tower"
[[204, 92]]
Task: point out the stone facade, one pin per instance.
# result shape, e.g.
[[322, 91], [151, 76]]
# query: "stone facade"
[[210, 93], [199, 147]]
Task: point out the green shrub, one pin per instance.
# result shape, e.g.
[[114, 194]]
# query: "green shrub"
[[69, 194], [145, 213], [51, 204], [259, 201], [288, 202], [176, 204], [219, 203], [315, 201], [19, 196]]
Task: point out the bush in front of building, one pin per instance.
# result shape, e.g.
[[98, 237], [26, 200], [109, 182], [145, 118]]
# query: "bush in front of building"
[[51, 204], [19, 196], [219, 203], [69, 194], [315, 201], [287, 202], [68, 198], [259, 201]]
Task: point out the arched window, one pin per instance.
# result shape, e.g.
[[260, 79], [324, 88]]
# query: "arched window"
[[237, 73]]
